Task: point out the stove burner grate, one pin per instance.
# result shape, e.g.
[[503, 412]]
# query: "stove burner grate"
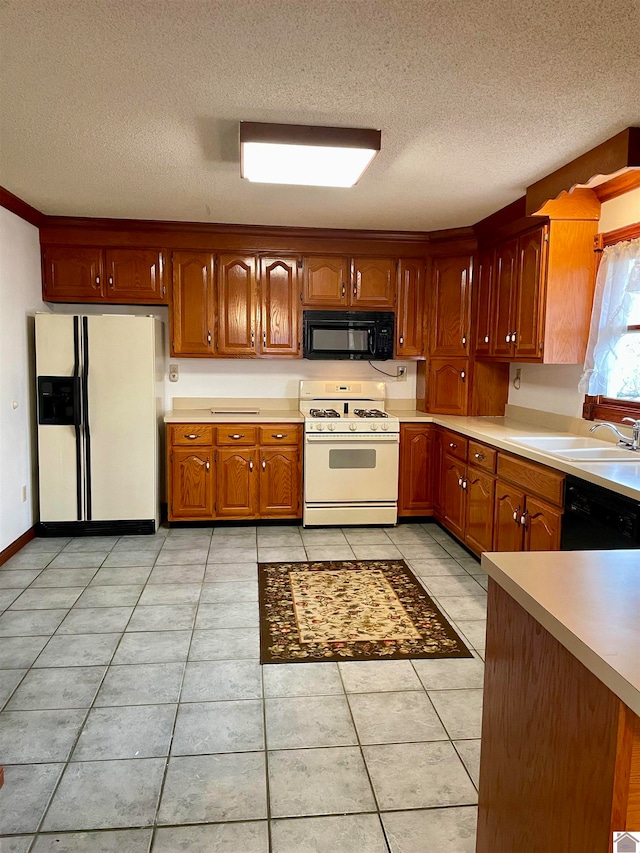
[[369, 413], [324, 413]]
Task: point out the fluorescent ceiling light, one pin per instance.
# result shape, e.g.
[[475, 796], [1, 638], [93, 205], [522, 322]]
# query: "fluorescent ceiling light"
[[305, 154]]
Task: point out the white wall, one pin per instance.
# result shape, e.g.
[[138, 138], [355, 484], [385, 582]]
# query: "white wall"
[[554, 387], [20, 297]]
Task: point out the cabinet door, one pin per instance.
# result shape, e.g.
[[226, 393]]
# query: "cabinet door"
[[508, 533], [528, 315], [450, 307], [135, 275], [480, 499], [373, 283], [280, 481], [484, 331], [504, 297], [454, 496], [448, 386], [193, 304], [191, 486], [410, 308], [415, 493], [280, 306], [325, 280], [72, 275], [236, 303], [237, 475], [542, 526]]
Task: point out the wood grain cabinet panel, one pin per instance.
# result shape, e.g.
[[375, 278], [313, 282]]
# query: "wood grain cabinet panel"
[[72, 274], [280, 306], [410, 308], [484, 303], [191, 483], [480, 489], [504, 299], [135, 275], [280, 481], [453, 498], [191, 434], [193, 301], [450, 310], [237, 482], [542, 526], [509, 507], [415, 492], [373, 283], [236, 305], [528, 309], [448, 386], [325, 281]]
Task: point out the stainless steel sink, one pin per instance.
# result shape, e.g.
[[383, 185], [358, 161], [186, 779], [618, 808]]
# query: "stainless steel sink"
[[577, 449]]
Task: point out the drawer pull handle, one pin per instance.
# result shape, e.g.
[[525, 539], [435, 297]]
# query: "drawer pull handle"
[[452, 445], [479, 456], [278, 435], [236, 436], [191, 436]]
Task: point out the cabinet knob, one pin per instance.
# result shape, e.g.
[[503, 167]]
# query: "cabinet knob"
[[515, 514], [508, 339], [264, 339], [523, 518], [401, 341], [97, 281], [110, 281], [344, 289], [464, 340], [264, 463], [513, 337], [452, 445], [486, 339], [236, 436], [207, 465], [251, 464], [253, 338], [460, 481], [479, 456], [463, 375], [208, 337], [464, 484]]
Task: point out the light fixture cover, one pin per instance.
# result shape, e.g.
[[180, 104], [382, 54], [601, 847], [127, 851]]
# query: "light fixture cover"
[[305, 154]]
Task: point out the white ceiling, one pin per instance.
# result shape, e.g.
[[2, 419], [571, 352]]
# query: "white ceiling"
[[130, 108]]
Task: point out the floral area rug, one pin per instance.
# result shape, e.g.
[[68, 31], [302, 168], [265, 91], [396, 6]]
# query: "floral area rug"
[[349, 610]]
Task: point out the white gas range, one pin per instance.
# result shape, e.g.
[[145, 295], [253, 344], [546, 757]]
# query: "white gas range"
[[351, 454]]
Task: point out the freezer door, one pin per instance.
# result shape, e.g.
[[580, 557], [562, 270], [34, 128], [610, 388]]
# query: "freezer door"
[[60, 459], [122, 426]]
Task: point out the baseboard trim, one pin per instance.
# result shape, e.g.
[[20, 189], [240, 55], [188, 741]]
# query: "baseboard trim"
[[20, 542]]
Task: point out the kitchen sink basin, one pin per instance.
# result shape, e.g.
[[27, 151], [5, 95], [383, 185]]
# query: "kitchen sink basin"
[[577, 449]]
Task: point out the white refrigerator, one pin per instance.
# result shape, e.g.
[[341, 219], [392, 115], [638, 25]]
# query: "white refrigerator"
[[100, 396]]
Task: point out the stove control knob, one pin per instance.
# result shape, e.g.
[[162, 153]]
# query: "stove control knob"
[[319, 426], [331, 427], [385, 426], [374, 426], [353, 427]]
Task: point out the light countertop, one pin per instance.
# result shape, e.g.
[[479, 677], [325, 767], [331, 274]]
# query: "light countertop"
[[589, 601]]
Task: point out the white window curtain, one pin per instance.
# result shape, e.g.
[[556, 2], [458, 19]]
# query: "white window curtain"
[[617, 282]]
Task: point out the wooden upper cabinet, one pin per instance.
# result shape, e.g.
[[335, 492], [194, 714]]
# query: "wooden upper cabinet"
[[72, 274], [528, 309], [325, 281], [373, 282], [192, 317], [339, 282], [450, 310], [504, 298], [448, 386], [410, 308], [135, 275], [236, 305], [483, 302], [279, 307]]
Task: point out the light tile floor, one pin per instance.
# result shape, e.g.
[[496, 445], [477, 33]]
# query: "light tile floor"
[[136, 716]]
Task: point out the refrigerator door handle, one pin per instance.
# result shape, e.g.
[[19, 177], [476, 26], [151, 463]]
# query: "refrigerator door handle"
[[76, 414], [85, 414]]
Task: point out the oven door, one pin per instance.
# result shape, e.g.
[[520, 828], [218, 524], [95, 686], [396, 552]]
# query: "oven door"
[[348, 469]]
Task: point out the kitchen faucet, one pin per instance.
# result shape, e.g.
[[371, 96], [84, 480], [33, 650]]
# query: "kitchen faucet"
[[634, 444]]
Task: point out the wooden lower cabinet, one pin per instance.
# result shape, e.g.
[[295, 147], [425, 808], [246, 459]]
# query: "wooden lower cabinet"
[[509, 507], [542, 526], [415, 492], [453, 495], [191, 483], [244, 472], [480, 489]]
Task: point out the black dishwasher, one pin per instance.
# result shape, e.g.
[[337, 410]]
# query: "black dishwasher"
[[596, 519]]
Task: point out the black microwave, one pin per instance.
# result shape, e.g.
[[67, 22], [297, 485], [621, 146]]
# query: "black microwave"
[[348, 334]]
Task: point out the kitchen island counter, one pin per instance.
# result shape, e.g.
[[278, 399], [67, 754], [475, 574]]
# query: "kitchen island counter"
[[560, 760]]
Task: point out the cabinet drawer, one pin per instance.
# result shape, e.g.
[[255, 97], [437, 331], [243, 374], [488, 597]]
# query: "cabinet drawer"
[[190, 434], [280, 434], [455, 444], [482, 456], [237, 434], [532, 478]]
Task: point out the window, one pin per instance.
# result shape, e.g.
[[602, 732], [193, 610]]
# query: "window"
[[611, 378]]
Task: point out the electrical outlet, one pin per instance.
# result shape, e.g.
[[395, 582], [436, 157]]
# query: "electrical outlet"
[[401, 373], [24, 494], [173, 373]]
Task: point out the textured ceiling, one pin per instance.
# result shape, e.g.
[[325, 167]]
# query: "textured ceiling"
[[130, 108]]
